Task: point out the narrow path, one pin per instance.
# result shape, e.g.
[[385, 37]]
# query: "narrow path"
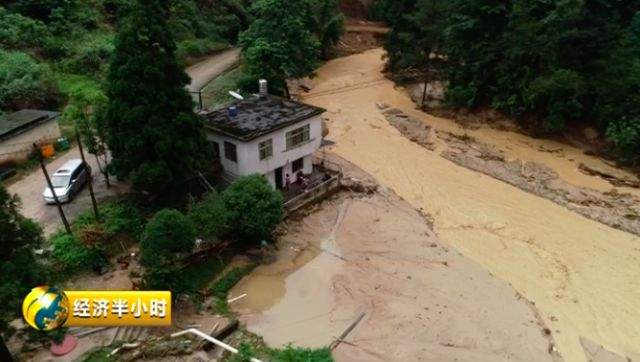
[[30, 188], [203, 72]]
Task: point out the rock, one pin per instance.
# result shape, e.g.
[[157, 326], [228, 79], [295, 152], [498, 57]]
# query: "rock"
[[382, 105], [391, 111]]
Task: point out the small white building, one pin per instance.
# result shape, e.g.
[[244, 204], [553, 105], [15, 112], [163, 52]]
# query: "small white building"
[[20, 130], [265, 134]]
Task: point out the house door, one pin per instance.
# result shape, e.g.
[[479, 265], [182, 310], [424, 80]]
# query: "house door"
[[278, 175]]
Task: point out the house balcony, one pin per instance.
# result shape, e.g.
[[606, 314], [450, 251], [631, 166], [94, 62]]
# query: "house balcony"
[[321, 182]]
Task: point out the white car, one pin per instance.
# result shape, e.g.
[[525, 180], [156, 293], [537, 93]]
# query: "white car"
[[67, 181]]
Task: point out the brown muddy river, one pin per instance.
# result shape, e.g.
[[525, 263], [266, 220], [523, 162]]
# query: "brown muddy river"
[[582, 276]]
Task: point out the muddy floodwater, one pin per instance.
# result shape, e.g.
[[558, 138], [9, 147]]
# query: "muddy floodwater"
[[582, 276], [377, 262]]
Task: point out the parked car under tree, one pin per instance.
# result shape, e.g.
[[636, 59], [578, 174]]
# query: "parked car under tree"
[[67, 181]]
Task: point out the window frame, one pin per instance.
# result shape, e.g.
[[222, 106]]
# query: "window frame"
[[265, 149], [228, 148], [304, 133]]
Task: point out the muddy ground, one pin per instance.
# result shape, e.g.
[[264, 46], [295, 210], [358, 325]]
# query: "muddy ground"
[[580, 273], [372, 253], [618, 210]]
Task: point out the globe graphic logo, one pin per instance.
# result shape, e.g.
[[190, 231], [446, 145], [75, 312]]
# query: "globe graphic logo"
[[45, 308]]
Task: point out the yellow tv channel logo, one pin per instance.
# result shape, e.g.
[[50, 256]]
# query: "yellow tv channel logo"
[[47, 308]]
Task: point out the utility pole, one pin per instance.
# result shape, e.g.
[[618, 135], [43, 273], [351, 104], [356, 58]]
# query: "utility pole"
[[93, 196], [53, 191]]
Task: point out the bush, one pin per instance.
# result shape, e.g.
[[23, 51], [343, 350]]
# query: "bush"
[[90, 56], [254, 208], [287, 354], [73, 255], [55, 48], [625, 135], [210, 217], [24, 83], [199, 47], [168, 233], [117, 218], [122, 218], [295, 354], [17, 31]]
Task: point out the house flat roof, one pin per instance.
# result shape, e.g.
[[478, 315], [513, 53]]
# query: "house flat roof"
[[257, 116], [20, 121]]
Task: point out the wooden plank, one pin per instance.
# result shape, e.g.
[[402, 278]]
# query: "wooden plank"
[[346, 332]]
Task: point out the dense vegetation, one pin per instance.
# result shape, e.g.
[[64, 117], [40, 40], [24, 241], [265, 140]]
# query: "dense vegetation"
[[288, 39], [19, 269], [245, 213], [50, 47], [550, 64]]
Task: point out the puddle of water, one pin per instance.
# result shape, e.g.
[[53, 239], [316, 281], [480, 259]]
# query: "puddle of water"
[[306, 316], [582, 275], [265, 286]]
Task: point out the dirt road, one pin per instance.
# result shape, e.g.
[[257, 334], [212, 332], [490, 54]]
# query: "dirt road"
[[581, 274], [30, 187], [30, 191], [203, 72]]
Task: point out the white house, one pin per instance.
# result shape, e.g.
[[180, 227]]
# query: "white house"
[[265, 134], [20, 130]]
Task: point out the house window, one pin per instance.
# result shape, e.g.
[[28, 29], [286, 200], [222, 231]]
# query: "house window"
[[297, 137], [297, 165], [266, 149], [230, 152]]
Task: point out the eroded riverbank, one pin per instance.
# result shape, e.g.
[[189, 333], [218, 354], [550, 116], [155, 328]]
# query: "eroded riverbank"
[[581, 274]]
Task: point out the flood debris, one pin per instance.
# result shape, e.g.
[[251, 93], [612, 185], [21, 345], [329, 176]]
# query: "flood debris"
[[413, 128], [383, 243], [346, 332], [615, 180], [616, 209]]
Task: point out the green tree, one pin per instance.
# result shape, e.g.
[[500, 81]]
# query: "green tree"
[[398, 43], [326, 22], [254, 208], [19, 269], [210, 217], [86, 110], [548, 63], [167, 237], [154, 137], [279, 45]]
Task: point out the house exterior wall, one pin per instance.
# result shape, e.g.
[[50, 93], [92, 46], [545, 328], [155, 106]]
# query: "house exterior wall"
[[249, 155], [18, 147]]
